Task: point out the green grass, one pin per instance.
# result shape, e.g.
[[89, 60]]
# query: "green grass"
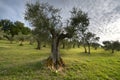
[[24, 63]]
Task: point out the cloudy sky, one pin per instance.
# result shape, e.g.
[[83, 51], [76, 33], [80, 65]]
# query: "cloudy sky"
[[104, 14]]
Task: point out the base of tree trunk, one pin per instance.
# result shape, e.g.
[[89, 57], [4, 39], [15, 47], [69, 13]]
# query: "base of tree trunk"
[[50, 64]]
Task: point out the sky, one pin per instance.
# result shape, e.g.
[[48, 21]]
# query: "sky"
[[104, 14]]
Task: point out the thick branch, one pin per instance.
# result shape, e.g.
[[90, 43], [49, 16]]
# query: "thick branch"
[[62, 36]]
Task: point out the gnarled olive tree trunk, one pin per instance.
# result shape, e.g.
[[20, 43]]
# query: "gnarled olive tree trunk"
[[55, 61]]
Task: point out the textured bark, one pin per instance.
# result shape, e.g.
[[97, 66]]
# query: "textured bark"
[[50, 64], [85, 48], [55, 61], [55, 52]]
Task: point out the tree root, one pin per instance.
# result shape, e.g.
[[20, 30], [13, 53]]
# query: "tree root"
[[51, 65]]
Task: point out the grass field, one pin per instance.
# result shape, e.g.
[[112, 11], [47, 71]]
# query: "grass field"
[[24, 63]]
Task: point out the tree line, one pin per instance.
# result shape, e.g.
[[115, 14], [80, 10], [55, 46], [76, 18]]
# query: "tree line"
[[11, 30]]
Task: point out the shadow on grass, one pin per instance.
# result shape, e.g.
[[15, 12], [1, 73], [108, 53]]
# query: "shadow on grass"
[[4, 48], [22, 69]]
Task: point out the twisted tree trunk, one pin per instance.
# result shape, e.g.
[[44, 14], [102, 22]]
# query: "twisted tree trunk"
[[55, 61]]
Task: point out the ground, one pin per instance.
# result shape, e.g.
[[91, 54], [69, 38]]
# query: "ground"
[[25, 63]]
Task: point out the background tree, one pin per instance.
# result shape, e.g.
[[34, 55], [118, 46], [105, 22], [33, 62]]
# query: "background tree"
[[48, 18], [95, 45], [111, 45], [81, 21], [13, 28], [40, 36], [21, 28], [1, 34], [90, 38], [9, 28]]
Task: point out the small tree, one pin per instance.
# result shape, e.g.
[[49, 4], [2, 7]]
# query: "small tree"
[[21, 38], [90, 38], [64, 43], [40, 36]]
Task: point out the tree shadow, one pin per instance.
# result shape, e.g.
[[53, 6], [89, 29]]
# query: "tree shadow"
[[4, 48], [22, 69]]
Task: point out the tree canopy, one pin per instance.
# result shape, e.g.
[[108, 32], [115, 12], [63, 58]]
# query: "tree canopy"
[[47, 18]]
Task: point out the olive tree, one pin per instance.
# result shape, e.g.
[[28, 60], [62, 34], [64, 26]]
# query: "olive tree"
[[111, 45], [81, 21], [90, 38], [47, 18]]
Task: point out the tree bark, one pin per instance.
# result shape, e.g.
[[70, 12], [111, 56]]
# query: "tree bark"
[[85, 49], [55, 53], [88, 48], [84, 44], [54, 61]]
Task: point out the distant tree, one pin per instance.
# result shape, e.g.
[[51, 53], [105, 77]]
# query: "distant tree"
[[21, 38], [63, 43], [95, 45], [47, 18], [40, 36], [115, 46], [9, 28], [90, 38], [31, 38], [74, 41], [80, 20], [66, 43], [21, 28], [111, 45], [1, 34]]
